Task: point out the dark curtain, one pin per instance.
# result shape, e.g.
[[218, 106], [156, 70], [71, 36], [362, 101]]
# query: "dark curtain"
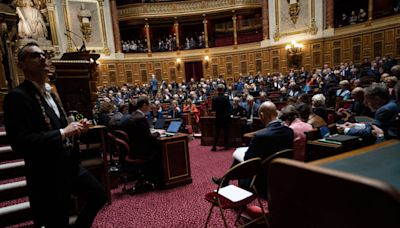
[[193, 70]]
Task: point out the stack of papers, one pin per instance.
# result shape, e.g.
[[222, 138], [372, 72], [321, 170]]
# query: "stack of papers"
[[234, 193]]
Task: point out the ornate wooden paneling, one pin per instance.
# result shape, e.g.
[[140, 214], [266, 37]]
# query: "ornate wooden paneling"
[[172, 74], [231, 62], [243, 67], [129, 76], [398, 47], [143, 75]]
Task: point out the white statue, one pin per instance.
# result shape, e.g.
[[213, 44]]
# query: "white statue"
[[31, 23]]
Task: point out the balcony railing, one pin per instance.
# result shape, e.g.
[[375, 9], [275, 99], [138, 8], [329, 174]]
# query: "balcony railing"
[[173, 9]]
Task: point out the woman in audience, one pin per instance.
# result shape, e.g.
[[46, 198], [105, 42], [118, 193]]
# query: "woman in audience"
[[290, 116], [307, 116], [189, 106], [237, 110], [318, 106]]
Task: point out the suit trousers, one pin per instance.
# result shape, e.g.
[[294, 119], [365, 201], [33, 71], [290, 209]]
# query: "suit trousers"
[[55, 210], [225, 125]]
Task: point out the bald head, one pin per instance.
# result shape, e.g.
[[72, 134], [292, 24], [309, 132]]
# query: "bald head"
[[267, 112]]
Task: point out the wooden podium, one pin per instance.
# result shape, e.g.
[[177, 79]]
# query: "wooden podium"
[[76, 76]]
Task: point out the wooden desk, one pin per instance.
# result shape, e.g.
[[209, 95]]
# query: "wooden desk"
[[175, 160], [380, 161], [317, 150], [360, 188], [94, 148], [207, 124]]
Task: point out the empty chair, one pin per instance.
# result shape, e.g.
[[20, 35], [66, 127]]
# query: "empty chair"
[[223, 196]]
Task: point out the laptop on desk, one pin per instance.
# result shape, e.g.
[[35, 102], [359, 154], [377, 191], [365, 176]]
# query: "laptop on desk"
[[173, 128]]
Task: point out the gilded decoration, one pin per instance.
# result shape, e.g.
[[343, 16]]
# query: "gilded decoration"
[[85, 25], [294, 9], [293, 17], [183, 8]]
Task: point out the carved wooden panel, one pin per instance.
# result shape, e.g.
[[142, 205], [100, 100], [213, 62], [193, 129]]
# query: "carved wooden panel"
[[275, 52], [356, 53], [316, 59], [336, 56], [172, 74], [389, 36], [128, 66], [113, 78], [243, 57], [346, 43], [356, 40], [143, 75], [243, 67], [398, 47], [229, 69], [215, 71], [377, 48], [142, 65], [275, 64], [258, 55], [129, 77], [337, 44], [316, 46], [258, 65], [157, 65], [378, 36], [111, 66], [157, 72], [228, 58], [367, 40]]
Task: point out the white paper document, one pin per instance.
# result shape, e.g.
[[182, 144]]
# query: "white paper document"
[[234, 193], [239, 153]]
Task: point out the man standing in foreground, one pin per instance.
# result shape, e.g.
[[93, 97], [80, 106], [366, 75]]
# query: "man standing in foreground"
[[222, 107], [37, 127]]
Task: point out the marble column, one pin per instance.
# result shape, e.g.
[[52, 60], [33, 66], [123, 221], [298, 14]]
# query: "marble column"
[[330, 12], [205, 22], [265, 19], [147, 29], [370, 9], [234, 18], [176, 26], [115, 25]]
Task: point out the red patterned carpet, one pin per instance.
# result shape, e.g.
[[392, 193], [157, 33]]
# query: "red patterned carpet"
[[178, 207]]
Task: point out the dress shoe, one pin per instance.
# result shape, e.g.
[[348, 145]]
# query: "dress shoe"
[[214, 149], [216, 180]]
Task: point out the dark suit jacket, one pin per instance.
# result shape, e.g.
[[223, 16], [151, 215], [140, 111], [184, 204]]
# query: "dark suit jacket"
[[222, 107], [275, 137], [49, 165], [385, 118], [142, 143]]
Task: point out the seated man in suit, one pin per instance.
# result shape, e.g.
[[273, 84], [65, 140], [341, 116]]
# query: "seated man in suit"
[[174, 110], [273, 138], [386, 110], [143, 144]]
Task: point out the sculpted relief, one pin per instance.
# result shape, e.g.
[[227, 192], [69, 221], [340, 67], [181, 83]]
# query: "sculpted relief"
[[32, 19]]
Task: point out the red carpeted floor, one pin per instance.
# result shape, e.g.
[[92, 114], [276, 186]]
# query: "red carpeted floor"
[[178, 207]]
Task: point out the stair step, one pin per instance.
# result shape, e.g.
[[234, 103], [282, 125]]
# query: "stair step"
[[12, 170], [13, 190], [15, 214]]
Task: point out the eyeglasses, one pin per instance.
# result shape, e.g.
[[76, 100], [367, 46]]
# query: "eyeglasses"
[[37, 54]]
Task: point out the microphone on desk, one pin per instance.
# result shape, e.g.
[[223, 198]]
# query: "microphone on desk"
[[67, 35], [83, 47]]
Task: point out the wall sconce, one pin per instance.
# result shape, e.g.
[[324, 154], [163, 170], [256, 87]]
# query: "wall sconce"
[[178, 63], [206, 61], [294, 48]]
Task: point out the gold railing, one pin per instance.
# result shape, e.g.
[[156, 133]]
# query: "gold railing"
[[183, 8]]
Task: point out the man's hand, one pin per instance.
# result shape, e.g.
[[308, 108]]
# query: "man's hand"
[[377, 132], [75, 128]]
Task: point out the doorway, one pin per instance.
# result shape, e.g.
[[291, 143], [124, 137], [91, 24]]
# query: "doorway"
[[193, 70]]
